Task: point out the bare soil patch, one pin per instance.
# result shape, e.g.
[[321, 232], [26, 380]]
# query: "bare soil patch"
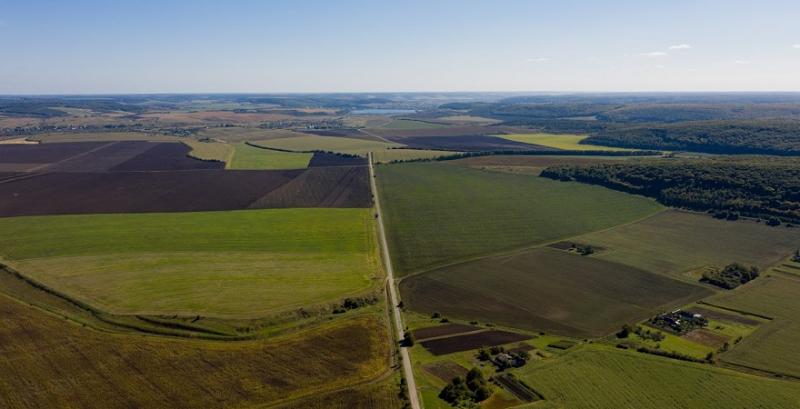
[[443, 330], [459, 343]]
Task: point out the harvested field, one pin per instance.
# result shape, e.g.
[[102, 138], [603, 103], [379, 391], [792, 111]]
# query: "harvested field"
[[210, 150], [773, 346], [44, 153], [248, 157], [460, 343], [467, 143], [559, 141], [674, 242], [326, 143], [547, 290], [438, 213], [104, 158], [166, 156], [17, 141], [331, 159], [602, 378], [333, 186], [91, 369], [445, 370], [216, 117], [413, 124], [136, 192], [443, 330], [371, 396], [242, 134], [398, 134], [347, 133], [227, 264]]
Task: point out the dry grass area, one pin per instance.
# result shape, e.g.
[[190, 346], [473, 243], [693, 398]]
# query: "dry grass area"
[[205, 117], [243, 134], [99, 137], [48, 362]]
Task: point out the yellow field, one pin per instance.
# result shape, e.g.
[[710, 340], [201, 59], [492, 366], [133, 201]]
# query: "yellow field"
[[559, 141]]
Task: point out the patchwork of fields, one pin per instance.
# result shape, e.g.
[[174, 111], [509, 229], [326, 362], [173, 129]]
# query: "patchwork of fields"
[[552, 290], [559, 141], [438, 213], [599, 378]]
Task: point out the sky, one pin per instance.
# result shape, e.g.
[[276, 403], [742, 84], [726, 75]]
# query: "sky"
[[144, 46]]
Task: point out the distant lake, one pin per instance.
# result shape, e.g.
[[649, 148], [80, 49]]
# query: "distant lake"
[[381, 111]]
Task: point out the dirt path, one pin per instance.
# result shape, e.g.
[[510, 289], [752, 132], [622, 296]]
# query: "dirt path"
[[408, 371]]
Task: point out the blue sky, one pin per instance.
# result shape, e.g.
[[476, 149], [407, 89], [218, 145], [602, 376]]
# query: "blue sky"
[[446, 45]]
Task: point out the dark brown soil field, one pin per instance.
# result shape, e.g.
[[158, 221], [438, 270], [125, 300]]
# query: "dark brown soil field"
[[166, 156], [44, 153], [105, 158], [123, 192], [347, 133], [459, 343], [334, 186], [445, 370], [467, 143], [723, 316], [443, 330], [705, 337], [547, 290], [321, 159], [48, 362]]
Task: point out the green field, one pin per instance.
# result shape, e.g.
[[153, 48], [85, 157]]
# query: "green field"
[[234, 134], [596, 377], [773, 347], [389, 155], [547, 290], [412, 124], [676, 242], [210, 150], [560, 141], [248, 157], [326, 143], [240, 263], [438, 213]]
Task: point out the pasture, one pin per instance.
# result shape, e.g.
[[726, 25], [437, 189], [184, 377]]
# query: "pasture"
[[773, 346], [326, 143], [237, 264], [86, 368], [677, 242], [437, 213], [595, 377], [559, 141], [247, 157], [547, 290]]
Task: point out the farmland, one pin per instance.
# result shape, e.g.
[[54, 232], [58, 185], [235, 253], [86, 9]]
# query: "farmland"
[[248, 157], [597, 378], [676, 242], [335, 186], [438, 213], [245, 263], [553, 291], [773, 347], [326, 143], [412, 124], [558, 141], [210, 150], [390, 155], [87, 368]]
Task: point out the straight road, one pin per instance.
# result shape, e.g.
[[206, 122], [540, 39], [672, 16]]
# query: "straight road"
[[393, 299]]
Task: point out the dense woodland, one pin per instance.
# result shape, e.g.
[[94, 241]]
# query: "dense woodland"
[[759, 187]]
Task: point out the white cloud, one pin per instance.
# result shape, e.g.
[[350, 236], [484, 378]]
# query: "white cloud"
[[796, 46], [680, 47], [654, 54], [660, 66], [538, 59], [741, 62]]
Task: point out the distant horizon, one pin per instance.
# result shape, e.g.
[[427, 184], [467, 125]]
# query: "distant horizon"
[[93, 47], [521, 93]]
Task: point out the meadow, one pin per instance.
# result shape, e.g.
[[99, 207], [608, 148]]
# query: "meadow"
[[239, 263], [552, 291], [326, 143], [596, 377], [438, 213], [75, 366], [559, 141], [773, 346], [676, 242], [248, 157]]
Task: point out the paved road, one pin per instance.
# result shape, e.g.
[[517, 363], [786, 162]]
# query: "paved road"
[[393, 299]]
